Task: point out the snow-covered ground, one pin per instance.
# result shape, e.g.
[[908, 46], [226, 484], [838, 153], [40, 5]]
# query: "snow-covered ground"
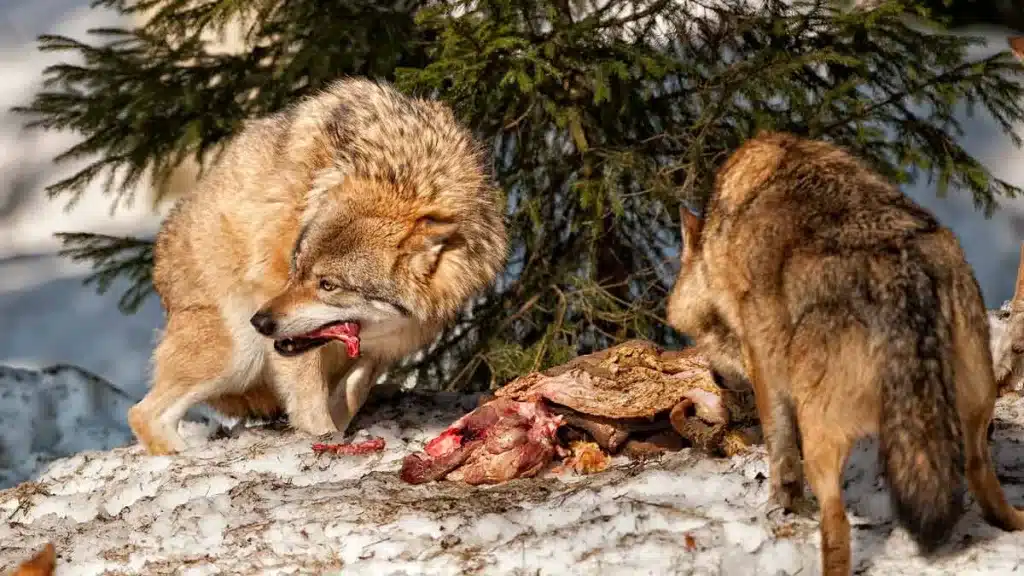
[[54, 412], [263, 503]]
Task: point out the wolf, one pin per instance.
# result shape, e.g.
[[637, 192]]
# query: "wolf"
[[851, 312], [328, 241]]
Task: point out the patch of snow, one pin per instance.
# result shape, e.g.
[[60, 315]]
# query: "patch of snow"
[[52, 319], [61, 410], [28, 218], [214, 510], [53, 413]]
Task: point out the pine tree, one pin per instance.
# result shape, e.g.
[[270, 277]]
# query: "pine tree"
[[604, 115], [960, 13]]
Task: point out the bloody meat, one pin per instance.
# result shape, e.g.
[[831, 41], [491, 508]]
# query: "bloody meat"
[[351, 448], [501, 440]]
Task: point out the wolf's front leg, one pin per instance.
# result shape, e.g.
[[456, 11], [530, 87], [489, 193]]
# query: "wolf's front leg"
[[351, 393], [770, 382], [301, 383], [191, 364]]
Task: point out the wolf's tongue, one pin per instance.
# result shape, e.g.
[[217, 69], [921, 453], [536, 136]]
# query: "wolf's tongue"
[[347, 332]]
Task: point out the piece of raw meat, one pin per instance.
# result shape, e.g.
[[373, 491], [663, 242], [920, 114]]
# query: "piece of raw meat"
[[627, 390], [499, 441], [586, 458], [634, 394], [351, 448]]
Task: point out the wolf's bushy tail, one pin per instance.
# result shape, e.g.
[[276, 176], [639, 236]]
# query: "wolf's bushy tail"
[[921, 442]]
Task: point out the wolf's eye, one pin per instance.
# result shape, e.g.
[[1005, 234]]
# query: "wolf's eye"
[[327, 286]]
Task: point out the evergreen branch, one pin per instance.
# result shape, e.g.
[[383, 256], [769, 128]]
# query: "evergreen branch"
[[902, 95], [110, 258], [602, 115]]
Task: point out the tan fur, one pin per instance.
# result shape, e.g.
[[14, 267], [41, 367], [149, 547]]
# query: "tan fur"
[[382, 196], [1008, 347], [43, 563], [1017, 46], [852, 313]]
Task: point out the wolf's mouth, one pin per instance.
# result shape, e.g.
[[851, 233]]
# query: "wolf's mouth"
[[347, 332]]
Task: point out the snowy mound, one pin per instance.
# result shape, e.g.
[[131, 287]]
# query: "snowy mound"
[[55, 412], [262, 502]]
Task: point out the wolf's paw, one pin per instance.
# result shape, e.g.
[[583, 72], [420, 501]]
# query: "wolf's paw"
[[784, 492], [794, 506], [313, 426], [155, 438]]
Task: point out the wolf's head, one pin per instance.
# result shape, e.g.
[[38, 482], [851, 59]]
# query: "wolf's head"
[[368, 271], [400, 227], [372, 267], [689, 304], [691, 311]]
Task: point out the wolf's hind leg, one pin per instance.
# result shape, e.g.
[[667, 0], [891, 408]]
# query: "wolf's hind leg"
[[982, 479], [826, 449], [768, 373], [190, 365]]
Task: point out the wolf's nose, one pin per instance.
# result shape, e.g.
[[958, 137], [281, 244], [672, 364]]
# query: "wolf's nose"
[[263, 322]]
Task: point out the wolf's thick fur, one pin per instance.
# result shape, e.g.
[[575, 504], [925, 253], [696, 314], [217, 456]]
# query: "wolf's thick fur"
[[852, 312], [356, 204]]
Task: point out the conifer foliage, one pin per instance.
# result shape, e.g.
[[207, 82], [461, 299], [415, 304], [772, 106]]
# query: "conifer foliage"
[[604, 115]]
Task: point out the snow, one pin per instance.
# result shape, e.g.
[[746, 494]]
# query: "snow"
[[28, 218], [261, 501], [59, 411], [56, 320], [50, 318]]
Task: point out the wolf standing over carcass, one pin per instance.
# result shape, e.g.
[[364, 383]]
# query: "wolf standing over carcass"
[[329, 241], [852, 312]]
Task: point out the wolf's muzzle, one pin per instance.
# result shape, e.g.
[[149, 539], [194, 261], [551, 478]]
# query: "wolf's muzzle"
[[263, 322]]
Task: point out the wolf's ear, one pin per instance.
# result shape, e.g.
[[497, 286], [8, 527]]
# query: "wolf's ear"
[[430, 237], [690, 226]]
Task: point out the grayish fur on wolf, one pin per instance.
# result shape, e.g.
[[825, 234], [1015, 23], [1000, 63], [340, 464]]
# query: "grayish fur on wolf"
[[357, 204]]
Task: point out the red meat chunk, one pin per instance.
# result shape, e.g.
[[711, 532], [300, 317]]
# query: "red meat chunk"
[[499, 441]]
